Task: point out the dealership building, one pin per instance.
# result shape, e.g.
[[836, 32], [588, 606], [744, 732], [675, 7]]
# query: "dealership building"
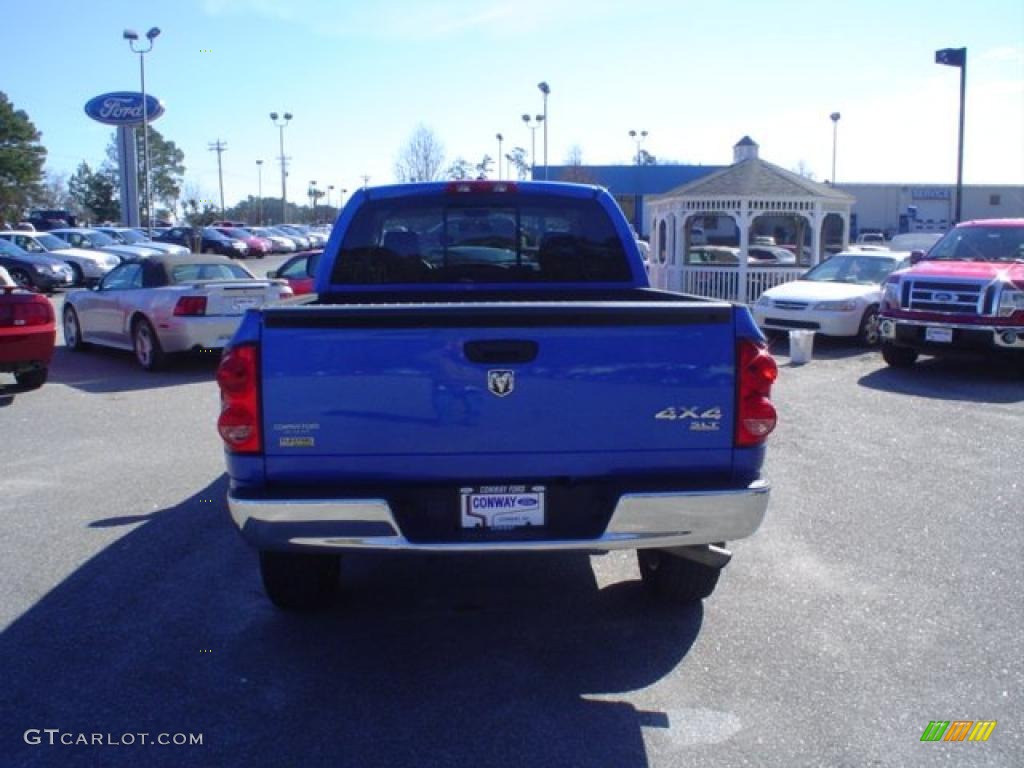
[[889, 208]]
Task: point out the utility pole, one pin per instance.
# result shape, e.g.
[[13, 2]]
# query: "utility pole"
[[259, 171], [366, 180], [219, 147]]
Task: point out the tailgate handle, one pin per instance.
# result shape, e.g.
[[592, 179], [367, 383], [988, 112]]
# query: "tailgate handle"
[[502, 351]]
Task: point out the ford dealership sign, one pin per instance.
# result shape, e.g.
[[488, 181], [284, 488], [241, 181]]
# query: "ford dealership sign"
[[122, 108]]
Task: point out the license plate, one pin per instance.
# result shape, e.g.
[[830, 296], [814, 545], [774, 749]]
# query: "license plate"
[[941, 335], [243, 304], [502, 507]]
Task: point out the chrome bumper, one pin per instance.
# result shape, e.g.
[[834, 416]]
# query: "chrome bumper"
[[640, 521], [1003, 336]]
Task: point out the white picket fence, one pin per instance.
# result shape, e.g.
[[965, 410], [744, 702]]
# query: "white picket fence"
[[723, 282]]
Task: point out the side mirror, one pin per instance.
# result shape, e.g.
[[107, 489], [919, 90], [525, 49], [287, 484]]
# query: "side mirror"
[[272, 273], [916, 256]]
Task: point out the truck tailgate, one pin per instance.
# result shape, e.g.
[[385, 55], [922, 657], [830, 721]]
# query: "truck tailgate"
[[496, 390]]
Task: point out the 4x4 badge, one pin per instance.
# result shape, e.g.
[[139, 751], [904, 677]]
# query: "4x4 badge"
[[501, 383]]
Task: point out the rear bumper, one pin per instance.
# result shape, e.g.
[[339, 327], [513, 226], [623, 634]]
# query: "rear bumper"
[[827, 323], [639, 521], [23, 350], [184, 334]]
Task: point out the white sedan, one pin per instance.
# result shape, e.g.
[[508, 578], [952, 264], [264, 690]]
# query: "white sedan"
[[166, 304], [838, 297]]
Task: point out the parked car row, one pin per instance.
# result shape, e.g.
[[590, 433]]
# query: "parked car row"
[[960, 292], [87, 265]]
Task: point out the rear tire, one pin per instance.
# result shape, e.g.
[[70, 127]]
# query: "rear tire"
[[675, 579], [33, 379], [299, 581], [72, 330], [148, 352], [899, 357]]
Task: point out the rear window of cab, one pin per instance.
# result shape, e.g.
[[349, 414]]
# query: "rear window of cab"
[[484, 239]]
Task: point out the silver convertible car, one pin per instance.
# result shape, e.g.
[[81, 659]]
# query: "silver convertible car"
[[166, 304]]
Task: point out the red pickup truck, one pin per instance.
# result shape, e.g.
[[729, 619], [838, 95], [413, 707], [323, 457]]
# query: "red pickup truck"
[[966, 294]]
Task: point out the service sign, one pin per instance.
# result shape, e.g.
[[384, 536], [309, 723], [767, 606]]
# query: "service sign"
[[123, 108]]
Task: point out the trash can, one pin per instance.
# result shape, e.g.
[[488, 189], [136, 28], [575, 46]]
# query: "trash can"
[[801, 347]]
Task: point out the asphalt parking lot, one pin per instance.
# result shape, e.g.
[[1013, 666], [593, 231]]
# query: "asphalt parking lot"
[[884, 591]]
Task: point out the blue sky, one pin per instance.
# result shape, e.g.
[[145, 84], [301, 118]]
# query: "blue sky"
[[360, 76]]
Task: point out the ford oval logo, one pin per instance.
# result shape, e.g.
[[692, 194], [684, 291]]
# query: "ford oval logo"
[[944, 298], [123, 108], [524, 501]]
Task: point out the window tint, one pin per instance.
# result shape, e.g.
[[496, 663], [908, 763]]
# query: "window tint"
[[981, 244], [296, 269], [186, 273], [123, 278], [481, 239], [865, 270]]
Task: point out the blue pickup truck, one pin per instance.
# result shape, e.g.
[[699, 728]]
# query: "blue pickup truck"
[[484, 368]]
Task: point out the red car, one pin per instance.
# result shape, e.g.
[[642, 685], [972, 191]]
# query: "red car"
[[299, 271], [258, 246], [28, 332]]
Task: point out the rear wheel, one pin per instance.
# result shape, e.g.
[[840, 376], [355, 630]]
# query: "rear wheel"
[[298, 581], [33, 379], [899, 357], [868, 334], [72, 330], [148, 352], [675, 579]]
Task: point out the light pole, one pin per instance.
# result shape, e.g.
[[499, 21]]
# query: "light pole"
[[131, 36], [957, 57], [341, 198], [330, 188], [835, 131], [638, 138], [284, 192], [312, 197], [500, 139], [545, 89], [537, 120], [259, 172]]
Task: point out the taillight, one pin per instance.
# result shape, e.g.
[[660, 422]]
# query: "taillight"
[[239, 421], [756, 371], [20, 314], [481, 186], [190, 305]]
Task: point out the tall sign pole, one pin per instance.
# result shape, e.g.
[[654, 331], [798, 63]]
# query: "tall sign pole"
[[127, 161], [957, 57]]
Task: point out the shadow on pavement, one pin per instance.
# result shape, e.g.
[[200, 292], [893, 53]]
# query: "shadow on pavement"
[[977, 380], [825, 347], [100, 370], [424, 660]]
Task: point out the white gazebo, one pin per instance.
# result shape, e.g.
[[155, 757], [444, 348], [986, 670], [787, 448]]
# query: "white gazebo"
[[758, 197]]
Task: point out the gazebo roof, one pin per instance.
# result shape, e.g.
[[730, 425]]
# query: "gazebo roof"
[[755, 178]]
